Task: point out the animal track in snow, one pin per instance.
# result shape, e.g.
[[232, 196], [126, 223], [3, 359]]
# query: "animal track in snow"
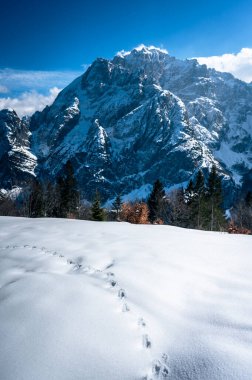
[[146, 341], [159, 367], [110, 265], [141, 322], [125, 307], [77, 266], [121, 293], [159, 370], [113, 283]]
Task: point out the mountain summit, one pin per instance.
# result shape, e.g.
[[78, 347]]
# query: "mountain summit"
[[145, 115]]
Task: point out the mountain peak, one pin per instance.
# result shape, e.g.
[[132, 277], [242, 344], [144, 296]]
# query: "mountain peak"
[[143, 50]]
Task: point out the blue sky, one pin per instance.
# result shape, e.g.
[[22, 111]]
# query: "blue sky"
[[49, 41]]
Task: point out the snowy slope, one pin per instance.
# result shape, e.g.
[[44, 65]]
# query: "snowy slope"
[[97, 301]]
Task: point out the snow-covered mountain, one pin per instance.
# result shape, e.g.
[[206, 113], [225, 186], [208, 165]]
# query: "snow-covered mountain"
[[145, 115], [17, 163]]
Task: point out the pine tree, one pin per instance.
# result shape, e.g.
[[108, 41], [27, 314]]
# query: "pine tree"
[[117, 205], [156, 201], [199, 186], [189, 192], [189, 204], [70, 195], [50, 201], [248, 199], [193, 198], [214, 214], [199, 193], [97, 211], [36, 200], [67, 195], [60, 209]]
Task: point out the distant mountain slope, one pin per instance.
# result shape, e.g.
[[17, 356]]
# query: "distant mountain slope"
[[17, 163]]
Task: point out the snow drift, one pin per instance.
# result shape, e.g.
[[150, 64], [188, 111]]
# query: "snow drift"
[[89, 300]]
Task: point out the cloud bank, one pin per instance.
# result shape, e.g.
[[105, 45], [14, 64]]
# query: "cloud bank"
[[17, 81], [29, 102], [27, 91], [240, 64]]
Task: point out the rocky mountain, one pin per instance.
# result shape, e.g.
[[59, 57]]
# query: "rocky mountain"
[[141, 116], [17, 163]]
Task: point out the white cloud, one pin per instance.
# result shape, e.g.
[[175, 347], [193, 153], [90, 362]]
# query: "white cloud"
[[3, 89], [240, 64], [29, 90], [29, 102], [18, 81]]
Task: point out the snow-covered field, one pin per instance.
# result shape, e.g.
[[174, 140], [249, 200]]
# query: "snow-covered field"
[[112, 301]]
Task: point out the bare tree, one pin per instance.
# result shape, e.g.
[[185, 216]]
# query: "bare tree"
[[136, 213]]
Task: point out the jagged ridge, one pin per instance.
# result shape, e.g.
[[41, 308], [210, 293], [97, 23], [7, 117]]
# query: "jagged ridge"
[[145, 115]]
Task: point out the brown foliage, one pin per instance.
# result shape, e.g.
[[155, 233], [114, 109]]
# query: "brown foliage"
[[136, 213], [233, 229]]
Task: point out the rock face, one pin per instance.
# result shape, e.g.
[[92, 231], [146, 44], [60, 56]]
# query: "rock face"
[[17, 163], [146, 115]]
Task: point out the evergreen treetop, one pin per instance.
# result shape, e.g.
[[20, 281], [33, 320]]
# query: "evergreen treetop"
[[36, 200], [214, 188], [117, 204], [97, 211], [155, 201], [248, 199], [67, 192], [189, 192], [213, 210], [199, 186]]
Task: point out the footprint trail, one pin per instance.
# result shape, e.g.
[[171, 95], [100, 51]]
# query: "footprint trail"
[[159, 368]]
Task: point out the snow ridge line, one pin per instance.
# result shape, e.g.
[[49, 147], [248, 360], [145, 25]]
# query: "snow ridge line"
[[159, 369]]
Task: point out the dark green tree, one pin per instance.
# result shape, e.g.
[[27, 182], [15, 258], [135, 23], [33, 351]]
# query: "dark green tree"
[[214, 215], [199, 187], [248, 199], [117, 205], [199, 194], [190, 205], [60, 208], [67, 195], [51, 200], [156, 201], [189, 192], [70, 193], [36, 200], [96, 209]]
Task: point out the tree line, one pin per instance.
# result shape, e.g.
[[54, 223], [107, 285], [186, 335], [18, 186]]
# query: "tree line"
[[198, 206]]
